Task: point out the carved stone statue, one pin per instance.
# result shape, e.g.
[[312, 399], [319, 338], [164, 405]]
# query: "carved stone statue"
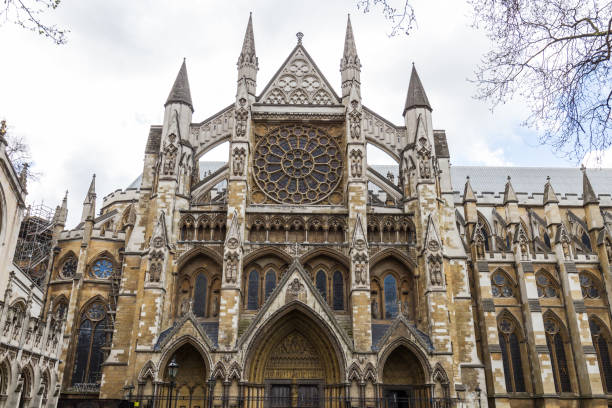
[[356, 167], [355, 121], [566, 249], [608, 250], [155, 272], [242, 115], [374, 309], [435, 271], [231, 267], [238, 161]]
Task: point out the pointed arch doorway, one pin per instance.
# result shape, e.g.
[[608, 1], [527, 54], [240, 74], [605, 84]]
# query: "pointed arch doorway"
[[295, 363], [405, 380]]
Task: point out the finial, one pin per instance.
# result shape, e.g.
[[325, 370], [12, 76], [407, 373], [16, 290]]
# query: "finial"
[[548, 179], [509, 178], [583, 167], [467, 177], [299, 36]]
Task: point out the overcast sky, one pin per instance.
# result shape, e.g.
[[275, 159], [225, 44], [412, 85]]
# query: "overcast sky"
[[86, 107]]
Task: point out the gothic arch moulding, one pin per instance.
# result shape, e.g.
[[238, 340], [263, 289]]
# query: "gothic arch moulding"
[[394, 253], [336, 255], [411, 347], [265, 251], [194, 252], [300, 327], [173, 347]]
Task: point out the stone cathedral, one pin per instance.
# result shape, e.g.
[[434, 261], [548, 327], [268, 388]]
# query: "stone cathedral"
[[294, 274]]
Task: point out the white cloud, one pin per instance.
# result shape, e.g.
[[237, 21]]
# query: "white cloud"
[[86, 107]]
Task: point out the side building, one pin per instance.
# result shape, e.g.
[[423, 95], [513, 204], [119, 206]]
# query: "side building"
[[30, 341]]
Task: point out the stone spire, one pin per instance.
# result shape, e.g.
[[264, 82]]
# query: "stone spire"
[[248, 64], [416, 97], [549, 193], [509, 194], [89, 205], [588, 195], [468, 193], [350, 65], [180, 92]]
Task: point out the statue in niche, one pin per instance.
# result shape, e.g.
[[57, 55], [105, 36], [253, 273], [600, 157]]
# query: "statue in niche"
[[215, 306], [609, 250], [231, 267], [239, 156], [374, 309], [155, 272], [356, 167], [242, 115], [170, 153], [425, 168], [435, 269], [355, 121], [566, 250]]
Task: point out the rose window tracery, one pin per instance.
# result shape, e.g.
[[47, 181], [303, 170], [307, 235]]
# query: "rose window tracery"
[[297, 164]]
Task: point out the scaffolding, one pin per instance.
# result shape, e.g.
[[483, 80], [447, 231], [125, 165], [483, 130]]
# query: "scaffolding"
[[34, 244]]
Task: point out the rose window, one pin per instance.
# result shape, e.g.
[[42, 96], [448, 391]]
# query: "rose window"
[[297, 164], [102, 268]]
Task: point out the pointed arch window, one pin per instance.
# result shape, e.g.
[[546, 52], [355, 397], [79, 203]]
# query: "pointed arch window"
[[484, 229], [546, 286], [253, 291], [390, 290], [501, 286], [338, 291], [589, 286], [69, 267], [270, 283], [321, 283], [586, 241], [511, 356], [199, 295], [556, 348], [602, 343], [91, 339]]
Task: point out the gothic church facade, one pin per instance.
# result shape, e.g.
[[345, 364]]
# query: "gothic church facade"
[[295, 274]]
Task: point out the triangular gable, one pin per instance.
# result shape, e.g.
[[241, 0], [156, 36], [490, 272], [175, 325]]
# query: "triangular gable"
[[161, 231], [187, 325], [431, 235], [359, 236], [402, 328], [295, 286], [299, 82]]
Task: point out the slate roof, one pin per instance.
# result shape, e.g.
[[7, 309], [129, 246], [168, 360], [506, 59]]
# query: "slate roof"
[[416, 97]]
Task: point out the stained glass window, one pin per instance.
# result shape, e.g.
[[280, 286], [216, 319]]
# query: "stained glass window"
[[588, 286], [390, 290], [556, 349], [338, 291], [297, 164], [102, 268], [602, 345], [501, 285], [253, 295], [69, 267], [511, 356], [199, 295], [586, 241], [321, 283], [270, 283], [546, 287], [89, 353]]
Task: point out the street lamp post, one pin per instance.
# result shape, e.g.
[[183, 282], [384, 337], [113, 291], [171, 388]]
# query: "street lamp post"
[[172, 371]]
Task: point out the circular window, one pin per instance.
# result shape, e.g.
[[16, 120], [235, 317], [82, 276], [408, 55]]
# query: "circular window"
[[297, 164], [102, 268], [69, 268]]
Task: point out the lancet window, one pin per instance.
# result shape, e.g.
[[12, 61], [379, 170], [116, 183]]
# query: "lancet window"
[[391, 298], [509, 343], [199, 295], [556, 348], [270, 283], [603, 346], [253, 290], [90, 341], [321, 283], [338, 291]]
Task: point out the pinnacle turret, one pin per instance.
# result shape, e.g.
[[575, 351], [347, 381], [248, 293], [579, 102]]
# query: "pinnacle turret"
[[588, 194], [349, 57], [248, 54], [549, 193], [468, 193], [509, 194], [89, 205], [248, 64], [61, 212], [416, 98], [180, 92]]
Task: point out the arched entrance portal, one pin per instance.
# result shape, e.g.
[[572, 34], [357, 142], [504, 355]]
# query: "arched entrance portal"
[[295, 363], [405, 380], [190, 385]]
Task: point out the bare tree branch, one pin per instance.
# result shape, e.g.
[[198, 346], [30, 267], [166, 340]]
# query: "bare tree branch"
[[18, 152], [27, 14], [402, 17]]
